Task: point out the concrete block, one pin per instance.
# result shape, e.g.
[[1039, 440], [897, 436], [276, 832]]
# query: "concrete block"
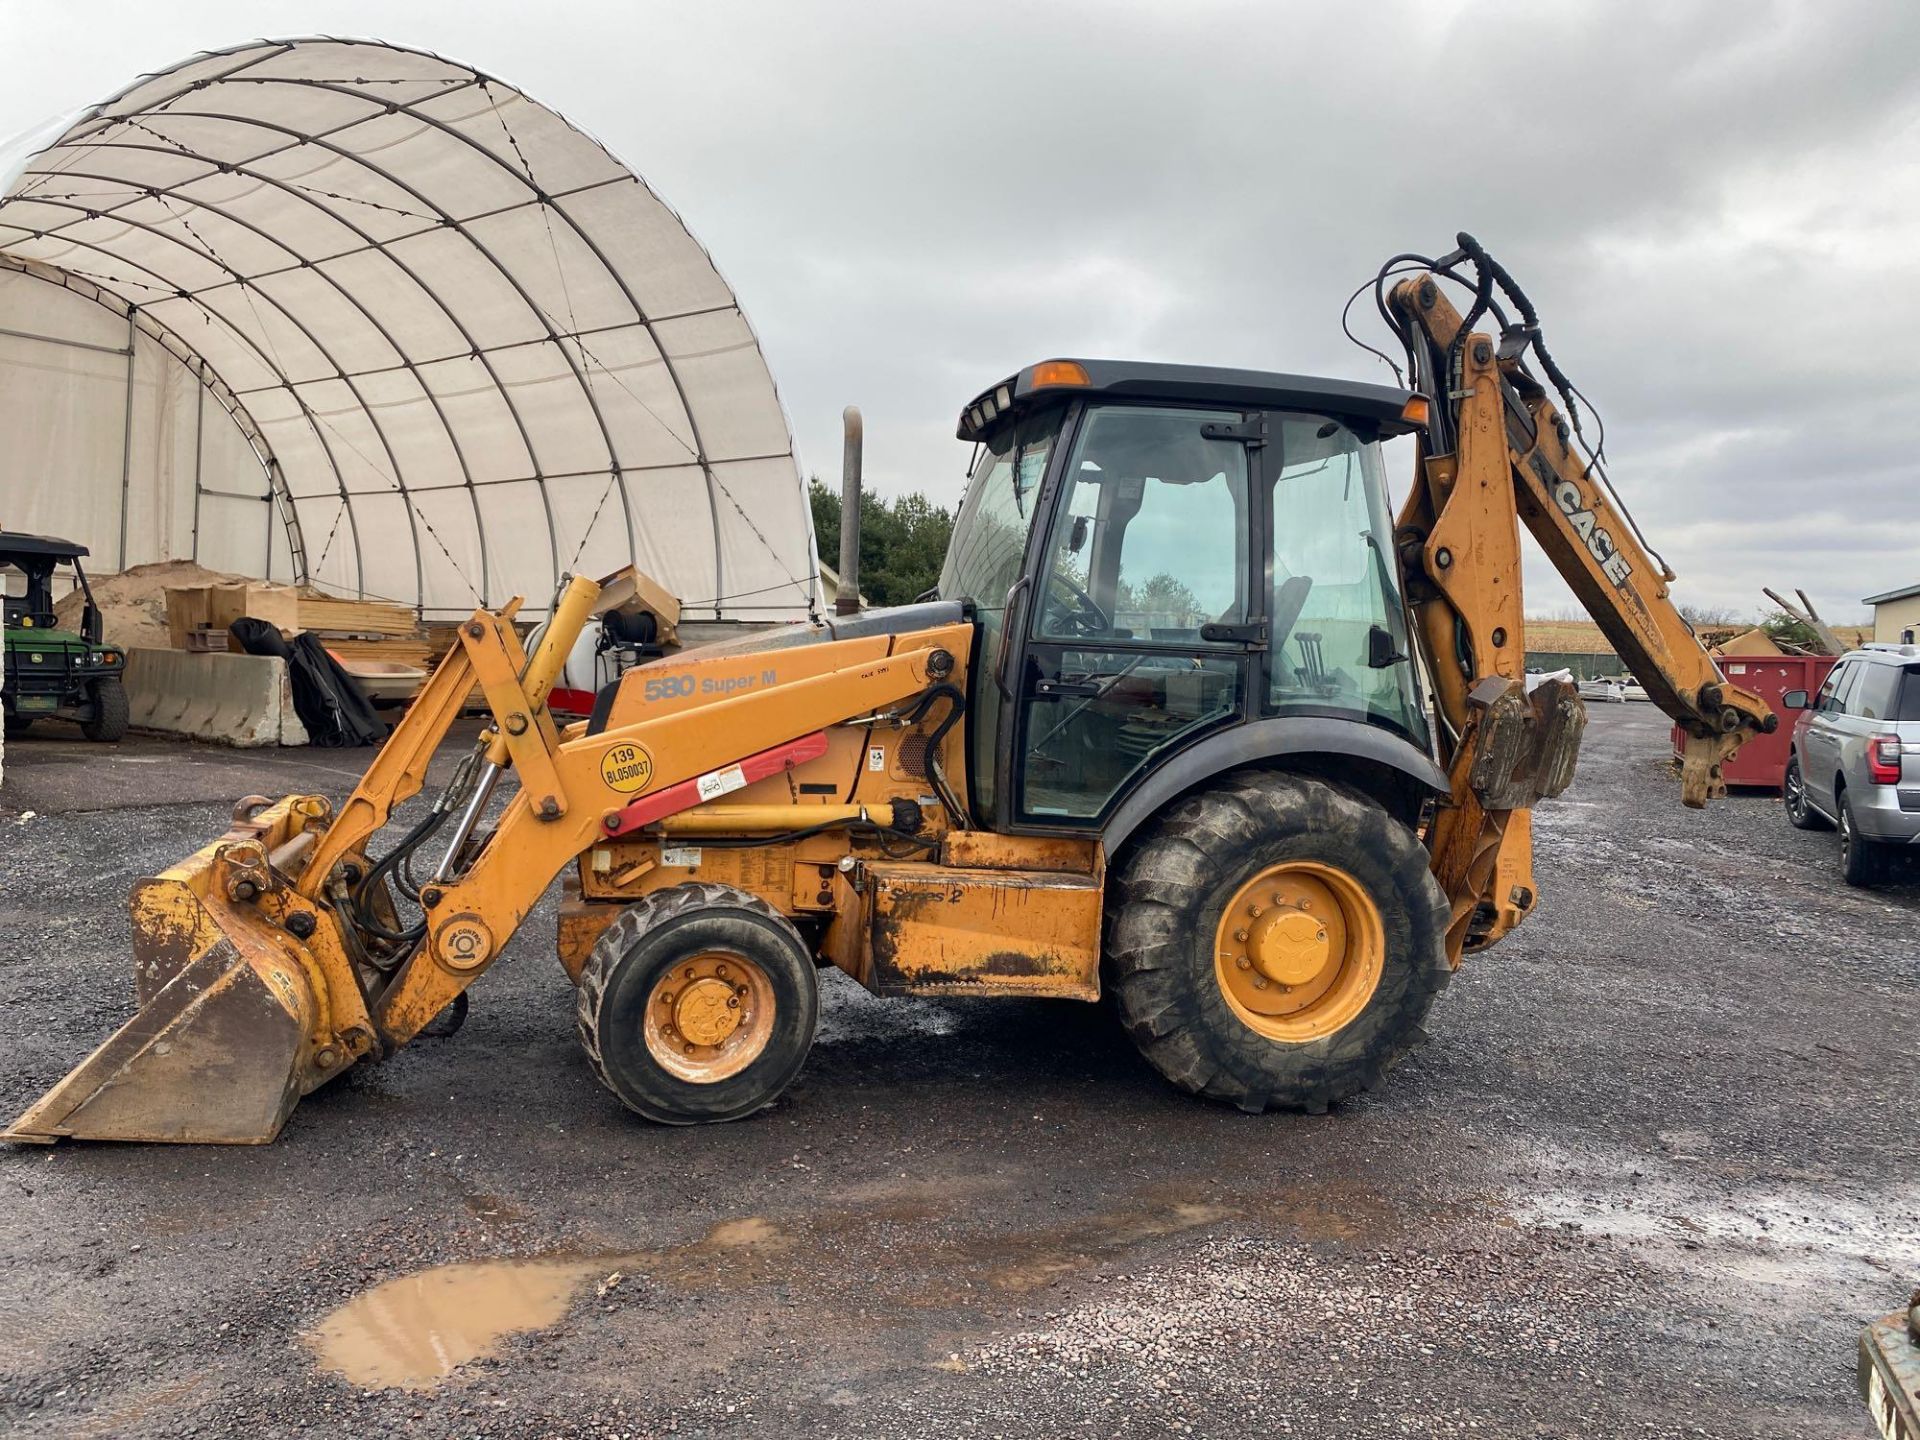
[[230, 699]]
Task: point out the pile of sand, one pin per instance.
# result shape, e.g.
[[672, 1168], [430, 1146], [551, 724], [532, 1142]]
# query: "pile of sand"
[[133, 604]]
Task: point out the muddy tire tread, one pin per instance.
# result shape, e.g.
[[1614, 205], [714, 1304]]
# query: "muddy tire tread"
[[648, 913], [1159, 955]]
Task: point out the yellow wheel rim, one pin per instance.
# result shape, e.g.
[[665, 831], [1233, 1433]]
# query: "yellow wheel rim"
[[709, 1017], [1299, 951]]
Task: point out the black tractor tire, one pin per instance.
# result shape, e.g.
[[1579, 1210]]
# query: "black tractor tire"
[[641, 948], [1793, 794], [106, 711], [18, 725], [1862, 862], [1167, 903]]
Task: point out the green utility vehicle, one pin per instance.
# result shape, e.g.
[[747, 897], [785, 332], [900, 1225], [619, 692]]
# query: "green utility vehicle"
[[55, 673]]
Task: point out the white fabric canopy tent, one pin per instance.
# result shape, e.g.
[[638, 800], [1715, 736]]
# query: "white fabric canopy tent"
[[438, 345]]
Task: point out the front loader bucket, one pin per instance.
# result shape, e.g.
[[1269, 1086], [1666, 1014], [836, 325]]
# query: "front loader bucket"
[[216, 1052]]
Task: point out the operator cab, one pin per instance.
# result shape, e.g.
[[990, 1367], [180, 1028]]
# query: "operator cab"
[[1157, 553], [27, 564]]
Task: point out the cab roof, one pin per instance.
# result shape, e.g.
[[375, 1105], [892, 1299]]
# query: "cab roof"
[[18, 543], [1376, 407]]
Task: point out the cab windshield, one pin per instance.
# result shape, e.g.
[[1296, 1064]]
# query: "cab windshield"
[[988, 553]]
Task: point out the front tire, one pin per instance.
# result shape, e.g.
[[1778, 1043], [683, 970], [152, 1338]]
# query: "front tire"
[[698, 1005], [1861, 862], [1793, 791], [107, 717], [1276, 941]]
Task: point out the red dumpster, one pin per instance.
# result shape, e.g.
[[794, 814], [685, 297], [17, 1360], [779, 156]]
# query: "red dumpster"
[[1762, 761]]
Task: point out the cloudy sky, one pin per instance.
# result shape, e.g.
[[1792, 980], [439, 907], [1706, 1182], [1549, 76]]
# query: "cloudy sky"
[[1716, 208]]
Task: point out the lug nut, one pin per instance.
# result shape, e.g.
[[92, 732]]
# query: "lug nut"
[[733, 1002], [1260, 983], [1240, 935], [1244, 963], [720, 971], [667, 998]]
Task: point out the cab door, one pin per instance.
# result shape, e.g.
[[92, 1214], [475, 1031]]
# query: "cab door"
[[1144, 618]]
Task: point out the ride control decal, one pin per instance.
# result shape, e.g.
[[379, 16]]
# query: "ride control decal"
[[626, 768]]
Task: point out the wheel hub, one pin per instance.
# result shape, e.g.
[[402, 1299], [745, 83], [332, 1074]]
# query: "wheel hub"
[[1299, 950], [709, 1017], [1289, 946], [707, 1011]]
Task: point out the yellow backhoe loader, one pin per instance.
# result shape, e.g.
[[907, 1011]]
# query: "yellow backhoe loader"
[[1189, 719]]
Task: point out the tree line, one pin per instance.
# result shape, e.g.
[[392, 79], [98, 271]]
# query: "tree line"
[[903, 541]]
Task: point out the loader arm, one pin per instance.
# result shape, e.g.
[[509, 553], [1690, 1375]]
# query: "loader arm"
[[1497, 452], [275, 958]]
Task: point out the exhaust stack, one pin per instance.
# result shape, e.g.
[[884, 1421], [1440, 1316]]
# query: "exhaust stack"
[[846, 600]]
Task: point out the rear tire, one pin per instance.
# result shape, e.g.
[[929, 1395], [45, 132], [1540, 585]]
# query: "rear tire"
[[108, 720], [705, 963], [1793, 793], [1184, 1004], [1861, 860]]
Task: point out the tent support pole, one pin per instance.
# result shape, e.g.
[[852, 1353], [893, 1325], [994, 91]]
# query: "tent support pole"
[[199, 448], [126, 440]]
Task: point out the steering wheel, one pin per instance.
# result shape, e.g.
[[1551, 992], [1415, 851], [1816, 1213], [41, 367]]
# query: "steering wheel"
[[1086, 618]]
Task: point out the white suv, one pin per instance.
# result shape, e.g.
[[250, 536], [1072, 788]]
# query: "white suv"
[[1855, 758]]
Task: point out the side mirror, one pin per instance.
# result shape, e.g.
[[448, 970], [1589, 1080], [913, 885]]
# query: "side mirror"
[[1381, 650], [1077, 537], [1794, 700]]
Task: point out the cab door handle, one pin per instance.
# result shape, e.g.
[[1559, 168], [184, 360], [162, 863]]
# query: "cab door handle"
[[1253, 634], [1050, 689]]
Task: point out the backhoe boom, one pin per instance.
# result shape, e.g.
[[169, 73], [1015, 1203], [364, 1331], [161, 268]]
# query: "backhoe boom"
[[1497, 452]]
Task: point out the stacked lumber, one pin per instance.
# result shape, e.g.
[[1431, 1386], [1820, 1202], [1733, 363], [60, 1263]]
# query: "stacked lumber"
[[332, 615], [393, 651], [358, 631]]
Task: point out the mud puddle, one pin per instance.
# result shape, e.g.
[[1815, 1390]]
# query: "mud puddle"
[[414, 1331]]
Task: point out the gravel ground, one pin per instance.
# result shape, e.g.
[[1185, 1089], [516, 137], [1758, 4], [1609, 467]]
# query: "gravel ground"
[[1648, 1178]]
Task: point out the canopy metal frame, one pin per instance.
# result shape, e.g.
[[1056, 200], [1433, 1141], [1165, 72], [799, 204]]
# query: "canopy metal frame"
[[85, 154]]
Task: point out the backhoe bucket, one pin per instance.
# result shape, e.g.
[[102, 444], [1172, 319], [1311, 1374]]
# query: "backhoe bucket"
[[216, 1052]]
